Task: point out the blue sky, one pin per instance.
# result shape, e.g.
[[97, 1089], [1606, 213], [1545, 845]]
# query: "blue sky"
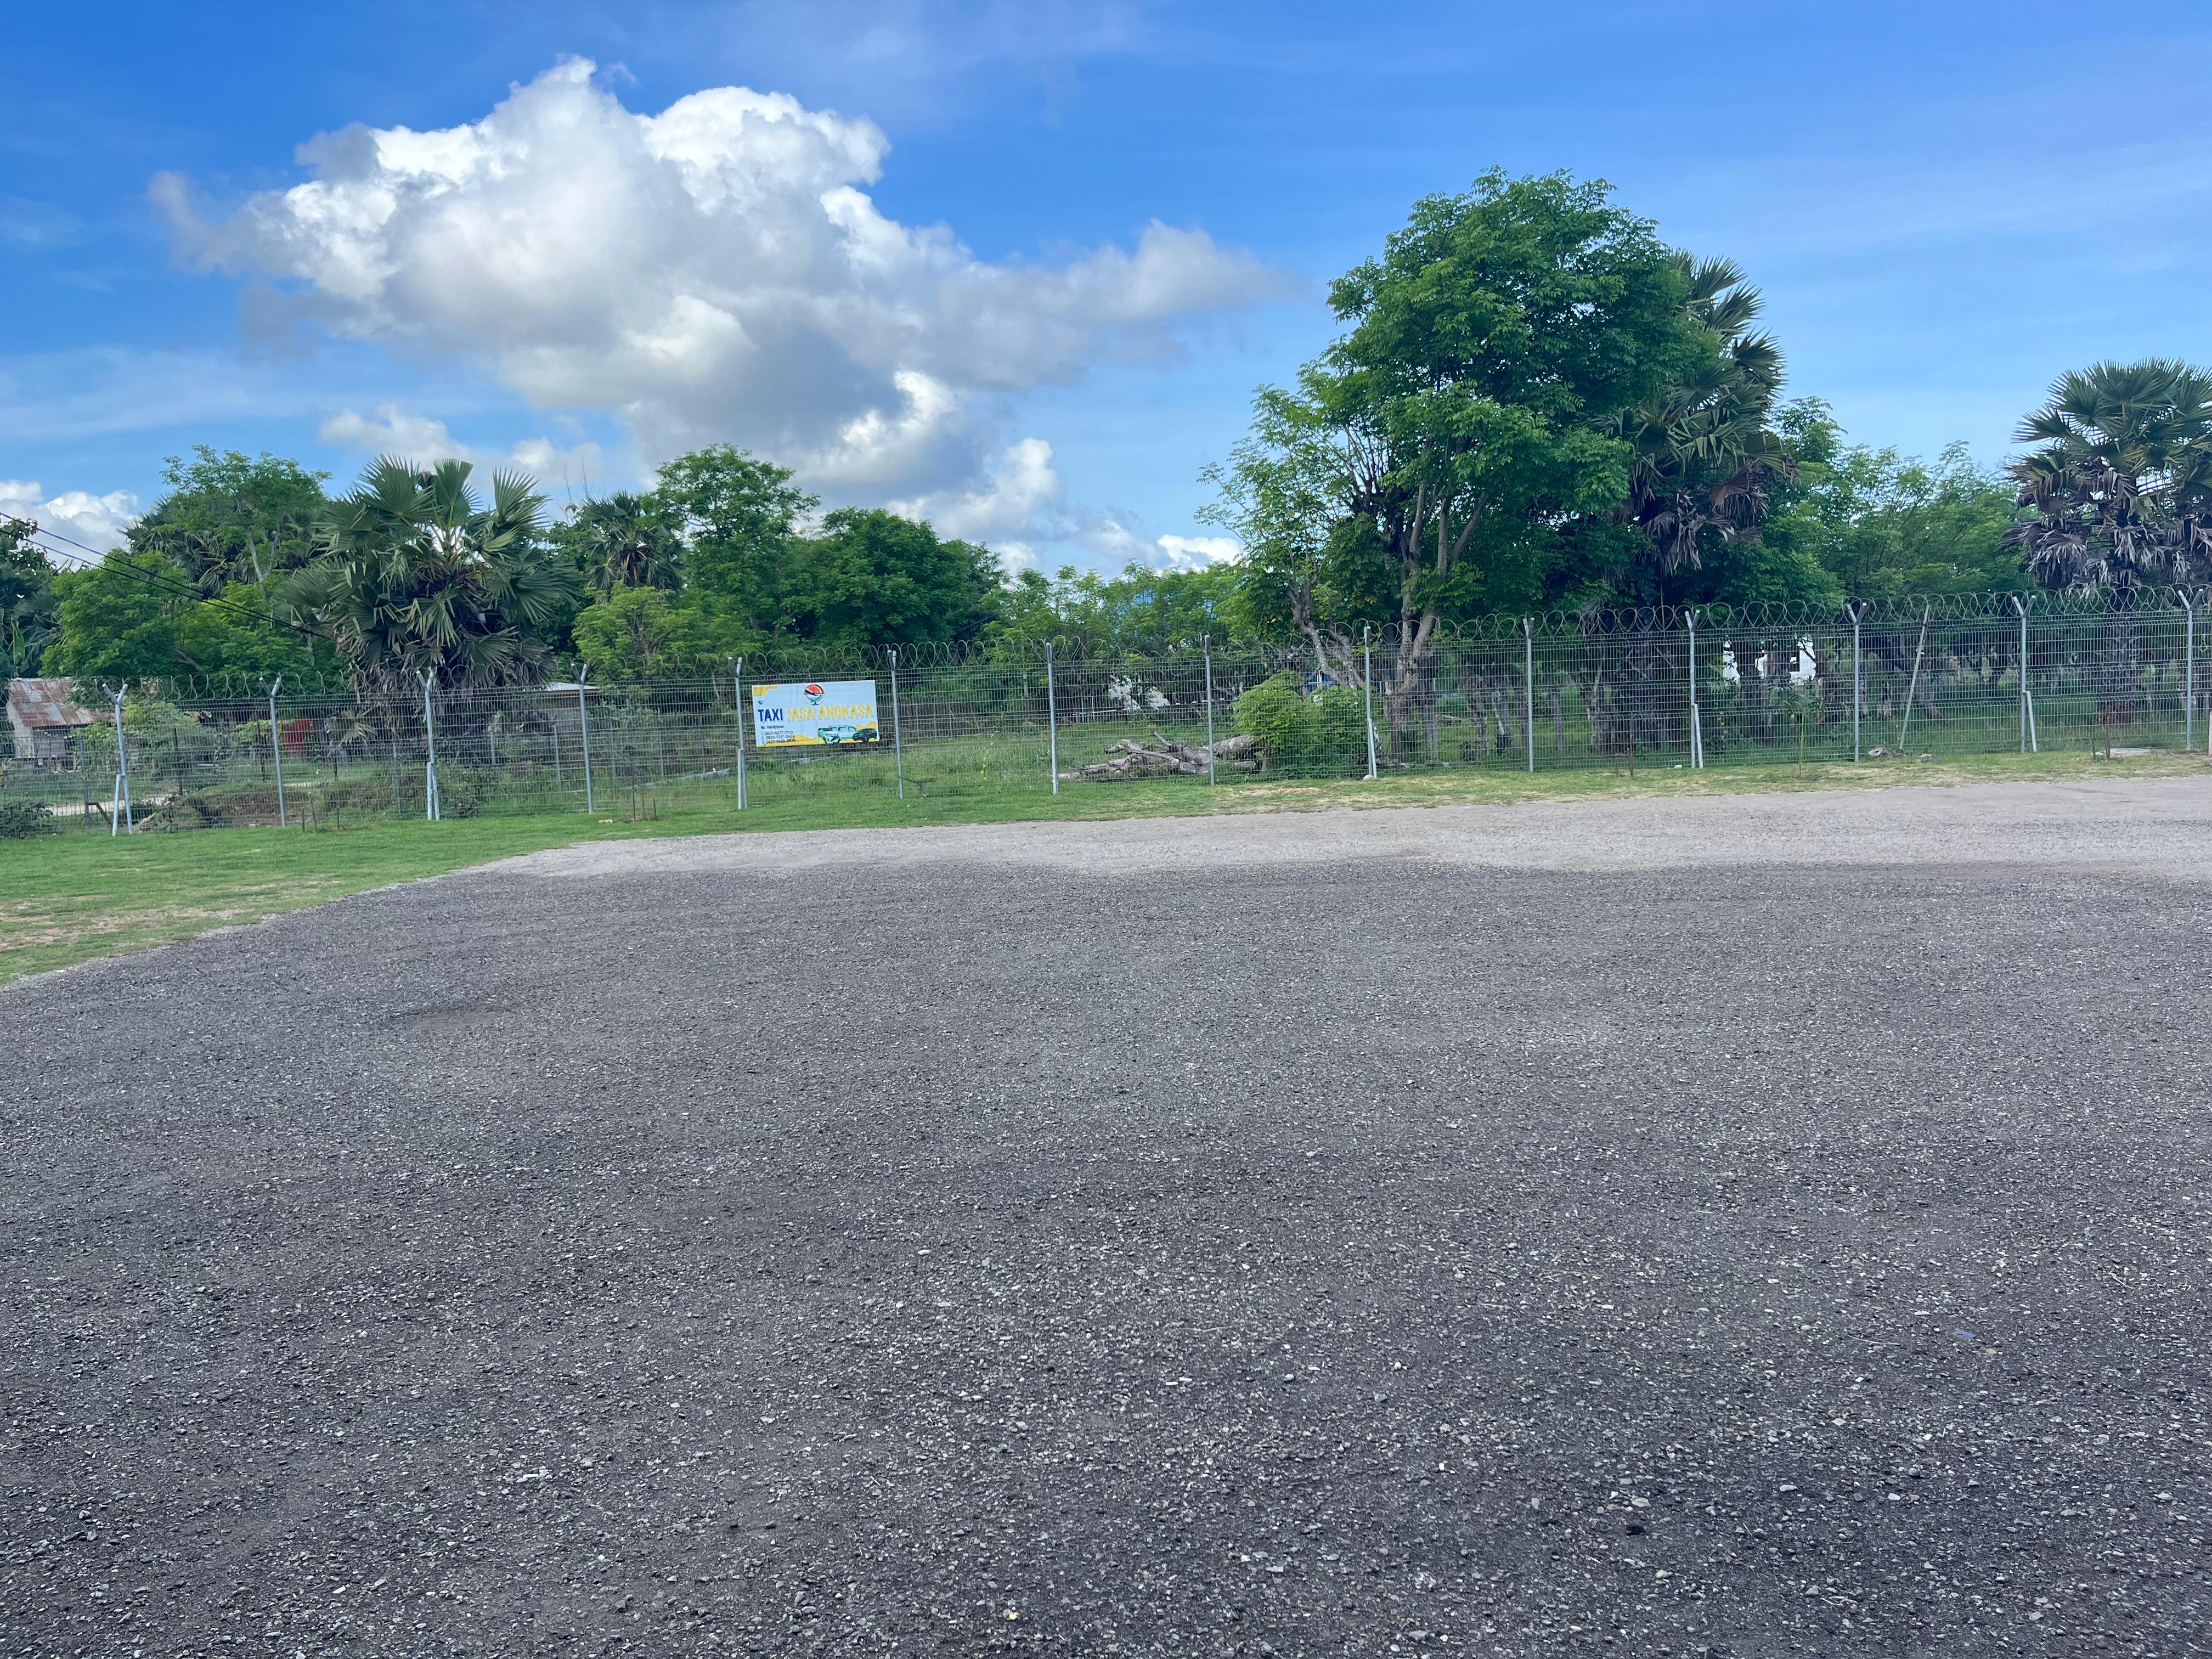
[[925, 275]]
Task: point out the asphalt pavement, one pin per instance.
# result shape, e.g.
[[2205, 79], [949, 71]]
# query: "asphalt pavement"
[[949, 1249]]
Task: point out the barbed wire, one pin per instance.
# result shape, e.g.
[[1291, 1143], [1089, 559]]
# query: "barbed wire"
[[1715, 622], [1762, 622]]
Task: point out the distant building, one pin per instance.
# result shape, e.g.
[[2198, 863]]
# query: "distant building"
[[44, 719]]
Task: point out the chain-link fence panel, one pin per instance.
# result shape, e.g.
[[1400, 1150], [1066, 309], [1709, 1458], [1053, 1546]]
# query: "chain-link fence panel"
[[1620, 691]]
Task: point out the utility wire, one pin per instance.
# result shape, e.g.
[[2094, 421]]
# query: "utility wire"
[[162, 584]]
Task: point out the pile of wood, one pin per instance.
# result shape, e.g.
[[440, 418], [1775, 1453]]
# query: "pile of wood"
[[1163, 757]]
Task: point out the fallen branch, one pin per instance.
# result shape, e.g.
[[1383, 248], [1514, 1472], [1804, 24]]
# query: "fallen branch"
[[1163, 757]]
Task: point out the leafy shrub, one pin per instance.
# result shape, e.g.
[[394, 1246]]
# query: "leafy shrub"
[[462, 789], [1339, 717], [21, 819], [1326, 731], [1272, 713]]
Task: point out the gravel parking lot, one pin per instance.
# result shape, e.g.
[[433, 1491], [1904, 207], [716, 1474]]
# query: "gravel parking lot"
[[1749, 1227]]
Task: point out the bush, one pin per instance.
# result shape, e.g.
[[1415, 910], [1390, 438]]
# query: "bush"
[[1272, 713], [1340, 717], [21, 819], [1326, 731], [462, 790]]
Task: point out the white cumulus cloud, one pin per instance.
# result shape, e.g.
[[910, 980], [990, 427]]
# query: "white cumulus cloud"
[[1196, 552], [717, 271], [1014, 499], [1116, 539], [392, 430], [1021, 502], [95, 523]]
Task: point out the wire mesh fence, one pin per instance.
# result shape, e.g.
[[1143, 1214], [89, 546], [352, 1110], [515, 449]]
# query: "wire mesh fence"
[[1609, 689]]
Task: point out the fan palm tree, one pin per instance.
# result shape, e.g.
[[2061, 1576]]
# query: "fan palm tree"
[[2120, 487], [2120, 480], [1706, 456], [625, 540], [418, 577]]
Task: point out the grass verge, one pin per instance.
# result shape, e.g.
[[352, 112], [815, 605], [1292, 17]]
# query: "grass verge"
[[69, 897]]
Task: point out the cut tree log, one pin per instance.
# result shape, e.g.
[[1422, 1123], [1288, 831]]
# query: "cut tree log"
[[1163, 757]]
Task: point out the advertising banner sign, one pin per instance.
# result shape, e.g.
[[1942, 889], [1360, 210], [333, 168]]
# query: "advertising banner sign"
[[826, 714]]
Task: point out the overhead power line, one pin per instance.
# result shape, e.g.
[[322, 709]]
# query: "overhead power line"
[[40, 536]]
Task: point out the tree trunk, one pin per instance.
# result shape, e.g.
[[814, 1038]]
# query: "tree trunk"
[[2119, 670], [1643, 663]]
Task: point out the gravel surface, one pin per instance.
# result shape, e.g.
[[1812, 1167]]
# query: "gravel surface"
[[1669, 1227], [2161, 827]]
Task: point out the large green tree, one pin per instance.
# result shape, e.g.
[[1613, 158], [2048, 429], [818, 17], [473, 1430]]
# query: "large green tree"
[[1485, 394], [738, 516], [639, 633], [1307, 569], [873, 578], [1140, 611], [189, 593], [233, 637], [117, 618], [750, 579], [29, 617], [1880, 525], [228, 518], [420, 576], [134, 617]]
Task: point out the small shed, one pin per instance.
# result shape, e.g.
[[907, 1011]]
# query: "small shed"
[[43, 717]]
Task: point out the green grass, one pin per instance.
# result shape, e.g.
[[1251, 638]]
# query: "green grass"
[[68, 897]]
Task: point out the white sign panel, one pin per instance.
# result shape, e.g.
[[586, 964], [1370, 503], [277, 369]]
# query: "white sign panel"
[[827, 713]]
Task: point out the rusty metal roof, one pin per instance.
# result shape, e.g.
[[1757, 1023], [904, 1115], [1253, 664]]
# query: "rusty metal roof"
[[39, 703]]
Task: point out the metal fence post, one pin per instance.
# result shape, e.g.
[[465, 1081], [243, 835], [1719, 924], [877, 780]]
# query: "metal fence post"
[[431, 741], [613, 758], [584, 721], [898, 744], [1528, 685], [2022, 610], [277, 751], [738, 692], [1697, 732], [1859, 678], [2188, 679], [1051, 720], [1206, 646], [118, 804], [1367, 654]]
